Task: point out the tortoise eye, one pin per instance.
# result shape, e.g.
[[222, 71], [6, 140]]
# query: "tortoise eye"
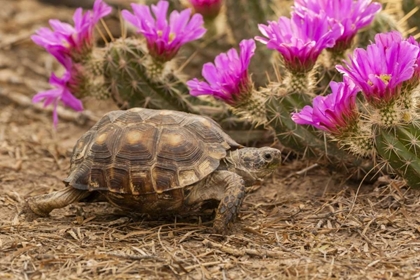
[[268, 157]]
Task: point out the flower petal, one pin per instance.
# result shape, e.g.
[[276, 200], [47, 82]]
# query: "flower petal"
[[165, 39], [227, 78]]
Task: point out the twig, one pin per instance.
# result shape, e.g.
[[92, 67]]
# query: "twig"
[[300, 172], [134, 257], [177, 260], [203, 265], [81, 118], [12, 40], [367, 239], [243, 252]]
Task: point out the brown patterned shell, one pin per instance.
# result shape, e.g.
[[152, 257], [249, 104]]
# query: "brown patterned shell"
[[141, 151]]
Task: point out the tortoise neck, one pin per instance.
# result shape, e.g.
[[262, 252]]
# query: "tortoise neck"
[[233, 162], [230, 162]]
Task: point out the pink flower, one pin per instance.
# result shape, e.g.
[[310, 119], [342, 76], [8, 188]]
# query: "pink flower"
[[300, 40], [227, 79], [60, 92], [333, 113], [387, 39], [65, 40], [165, 39], [351, 14], [207, 8], [380, 70]]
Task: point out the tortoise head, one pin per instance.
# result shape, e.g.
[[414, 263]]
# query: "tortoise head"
[[253, 164]]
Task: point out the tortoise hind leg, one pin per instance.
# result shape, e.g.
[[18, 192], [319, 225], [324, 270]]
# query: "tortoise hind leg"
[[229, 189], [42, 205]]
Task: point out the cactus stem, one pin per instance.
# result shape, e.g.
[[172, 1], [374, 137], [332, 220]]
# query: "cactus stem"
[[398, 146], [399, 112], [409, 100], [388, 114], [335, 57], [253, 109], [299, 83], [157, 70], [358, 140]]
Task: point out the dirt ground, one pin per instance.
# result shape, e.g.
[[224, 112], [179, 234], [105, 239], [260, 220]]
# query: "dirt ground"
[[297, 225]]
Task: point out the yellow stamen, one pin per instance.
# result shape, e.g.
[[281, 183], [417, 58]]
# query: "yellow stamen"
[[171, 36], [385, 78]]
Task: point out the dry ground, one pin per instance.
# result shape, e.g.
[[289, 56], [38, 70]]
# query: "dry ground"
[[298, 225]]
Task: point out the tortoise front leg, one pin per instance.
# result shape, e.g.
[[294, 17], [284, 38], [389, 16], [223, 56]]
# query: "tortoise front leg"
[[229, 189], [42, 205]]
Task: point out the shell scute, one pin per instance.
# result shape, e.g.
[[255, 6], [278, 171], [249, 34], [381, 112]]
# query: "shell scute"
[[141, 182], [118, 178], [165, 176], [179, 146], [102, 146], [137, 144], [143, 151], [166, 118]]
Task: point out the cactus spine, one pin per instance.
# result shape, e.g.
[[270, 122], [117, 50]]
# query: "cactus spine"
[[399, 146], [131, 83], [306, 140]]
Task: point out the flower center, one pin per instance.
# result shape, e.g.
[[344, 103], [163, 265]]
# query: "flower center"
[[65, 43], [384, 77], [171, 36]]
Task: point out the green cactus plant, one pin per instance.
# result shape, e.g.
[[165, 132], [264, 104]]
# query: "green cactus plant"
[[131, 84], [399, 147], [306, 140], [411, 7], [139, 74], [243, 17]]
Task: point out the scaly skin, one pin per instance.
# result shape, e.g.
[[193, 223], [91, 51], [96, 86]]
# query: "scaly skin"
[[231, 202], [224, 186], [42, 205], [240, 169]]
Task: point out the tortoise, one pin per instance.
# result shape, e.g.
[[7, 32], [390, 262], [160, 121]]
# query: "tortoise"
[[159, 162]]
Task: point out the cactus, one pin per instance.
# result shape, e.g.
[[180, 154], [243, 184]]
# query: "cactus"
[[243, 17], [411, 7], [305, 140], [382, 23], [143, 73], [131, 84], [279, 104], [399, 147]]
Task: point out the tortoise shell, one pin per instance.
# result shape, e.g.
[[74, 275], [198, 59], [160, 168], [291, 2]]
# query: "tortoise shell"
[[143, 151]]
